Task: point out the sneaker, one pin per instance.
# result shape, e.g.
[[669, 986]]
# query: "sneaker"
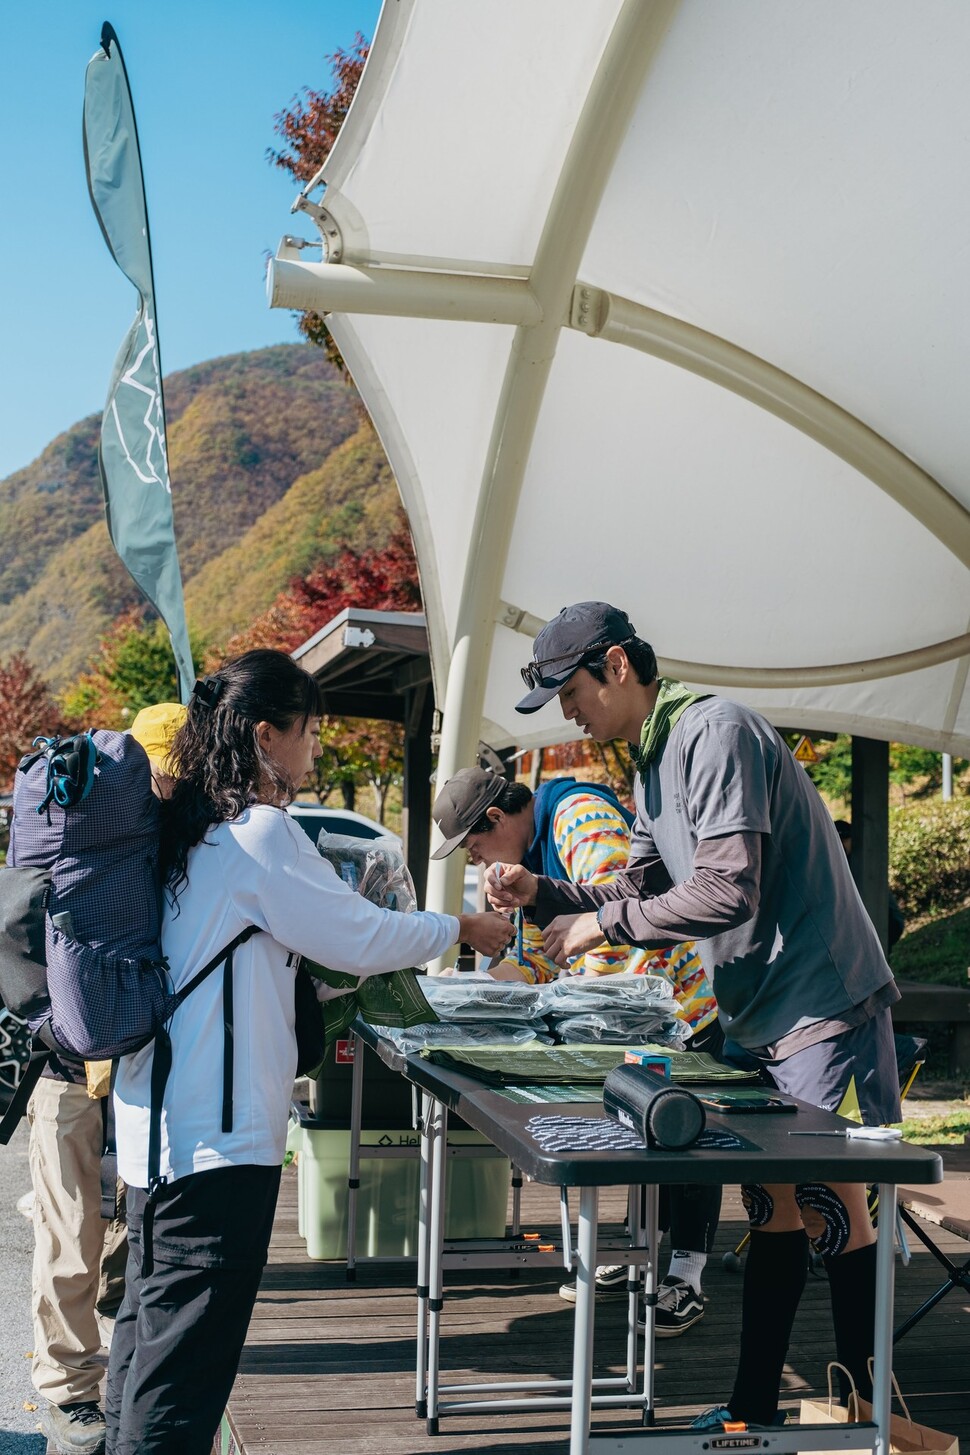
[[75, 1429], [610, 1278], [713, 1419], [678, 1308], [718, 1417]]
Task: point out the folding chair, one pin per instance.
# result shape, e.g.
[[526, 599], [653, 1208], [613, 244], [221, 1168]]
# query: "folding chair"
[[948, 1206], [909, 1059]]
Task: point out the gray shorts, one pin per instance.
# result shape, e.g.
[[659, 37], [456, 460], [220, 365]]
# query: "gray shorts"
[[821, 1074]]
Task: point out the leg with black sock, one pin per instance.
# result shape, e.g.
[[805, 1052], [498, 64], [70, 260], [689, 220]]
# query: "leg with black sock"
[[774, 1278], [852, 1288]]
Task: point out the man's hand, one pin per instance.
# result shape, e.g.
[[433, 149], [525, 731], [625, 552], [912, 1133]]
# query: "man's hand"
[[509, 886], [487, 933], [570, 935]]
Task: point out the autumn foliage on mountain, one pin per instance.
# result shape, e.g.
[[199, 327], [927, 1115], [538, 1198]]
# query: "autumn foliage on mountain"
[[384, 579]]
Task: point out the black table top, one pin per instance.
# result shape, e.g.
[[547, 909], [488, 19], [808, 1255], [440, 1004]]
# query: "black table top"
[[773, 1155]]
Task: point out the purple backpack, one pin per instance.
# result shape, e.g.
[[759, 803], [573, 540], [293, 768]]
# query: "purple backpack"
[[80, 900]]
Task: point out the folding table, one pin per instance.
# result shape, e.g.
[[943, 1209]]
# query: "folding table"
[[766, 1153]]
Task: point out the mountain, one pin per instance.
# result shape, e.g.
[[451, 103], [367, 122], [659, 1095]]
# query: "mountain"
[[272, 469], [352, 497]]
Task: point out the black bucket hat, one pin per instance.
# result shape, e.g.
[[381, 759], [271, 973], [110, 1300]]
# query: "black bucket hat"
[[461, 803]]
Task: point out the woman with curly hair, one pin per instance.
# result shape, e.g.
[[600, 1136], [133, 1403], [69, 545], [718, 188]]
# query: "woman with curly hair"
[[232, 858]]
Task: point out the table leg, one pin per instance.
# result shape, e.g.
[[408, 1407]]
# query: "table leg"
[[353, 1170], [516, 1227], [436, 1238], [583, 1328], [424, 1222], [883, 1331], [634, 1222], [651, 1197]]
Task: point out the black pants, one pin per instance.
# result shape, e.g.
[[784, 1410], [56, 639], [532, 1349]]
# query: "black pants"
[[689, 1215], [180, 1331], [689, 1212]]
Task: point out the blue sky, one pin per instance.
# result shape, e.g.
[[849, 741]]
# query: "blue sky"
[[207, 79]]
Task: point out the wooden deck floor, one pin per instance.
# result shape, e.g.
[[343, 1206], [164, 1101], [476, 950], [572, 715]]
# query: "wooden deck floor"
[[328, 1367]]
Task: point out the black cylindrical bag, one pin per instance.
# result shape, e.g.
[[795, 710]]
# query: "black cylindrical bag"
[[664, 1115]]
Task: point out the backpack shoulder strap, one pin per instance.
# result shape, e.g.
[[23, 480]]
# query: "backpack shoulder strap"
[[213, 964], [39, 1058], [162, 1065]]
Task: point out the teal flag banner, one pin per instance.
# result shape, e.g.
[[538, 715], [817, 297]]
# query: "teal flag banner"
[[133, 456]]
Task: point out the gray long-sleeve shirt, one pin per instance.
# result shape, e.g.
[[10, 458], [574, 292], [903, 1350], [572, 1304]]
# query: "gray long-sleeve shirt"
[[733, 847]]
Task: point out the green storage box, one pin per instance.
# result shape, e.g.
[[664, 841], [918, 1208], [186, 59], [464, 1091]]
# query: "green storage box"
[[387, 1199]]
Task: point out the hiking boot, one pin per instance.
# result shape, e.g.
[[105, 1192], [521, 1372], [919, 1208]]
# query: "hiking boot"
[[678, 1308], [610, 1278], [75, 1429], [719, 1417]]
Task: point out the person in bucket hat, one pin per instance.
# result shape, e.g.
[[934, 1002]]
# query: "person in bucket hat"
[[581, 832]]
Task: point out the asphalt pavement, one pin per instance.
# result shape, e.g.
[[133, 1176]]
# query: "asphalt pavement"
[[18, 1425]]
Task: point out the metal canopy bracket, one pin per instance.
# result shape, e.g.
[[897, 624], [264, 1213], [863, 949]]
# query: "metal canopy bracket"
[[333, 243]]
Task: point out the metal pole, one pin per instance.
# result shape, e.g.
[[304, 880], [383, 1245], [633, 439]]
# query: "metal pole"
[[883, 1332], [583, 1327]]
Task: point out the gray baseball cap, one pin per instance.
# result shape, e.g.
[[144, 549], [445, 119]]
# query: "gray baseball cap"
[[461, 803], [558, 651]]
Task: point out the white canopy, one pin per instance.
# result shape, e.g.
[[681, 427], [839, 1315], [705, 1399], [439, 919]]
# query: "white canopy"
[[667, 304]]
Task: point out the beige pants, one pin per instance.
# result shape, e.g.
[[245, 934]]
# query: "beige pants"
[[79, 1258]]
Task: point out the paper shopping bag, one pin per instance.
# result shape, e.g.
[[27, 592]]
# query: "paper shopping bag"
[[906, 1437], [826, 1411]]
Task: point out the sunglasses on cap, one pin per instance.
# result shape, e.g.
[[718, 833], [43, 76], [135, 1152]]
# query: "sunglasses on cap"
[[532, 674]]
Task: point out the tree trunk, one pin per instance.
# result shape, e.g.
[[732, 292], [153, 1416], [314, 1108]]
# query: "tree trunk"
[[349, 794]]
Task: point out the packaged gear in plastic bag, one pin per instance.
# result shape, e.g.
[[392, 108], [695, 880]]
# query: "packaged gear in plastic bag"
[[374, 867], [471, 997], [450, 1034], [626, 994], [620, 1028]]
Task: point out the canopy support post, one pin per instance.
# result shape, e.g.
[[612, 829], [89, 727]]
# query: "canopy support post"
[[870, 830], [636, 38]]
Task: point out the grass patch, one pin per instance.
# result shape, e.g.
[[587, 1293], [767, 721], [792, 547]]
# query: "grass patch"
[[937, 952], [950, 1129]]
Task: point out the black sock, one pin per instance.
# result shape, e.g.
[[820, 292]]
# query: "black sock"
[[852, 1288], [774, 1277]]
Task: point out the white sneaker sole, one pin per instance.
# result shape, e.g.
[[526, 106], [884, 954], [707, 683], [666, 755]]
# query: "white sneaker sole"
[[666, 1333]]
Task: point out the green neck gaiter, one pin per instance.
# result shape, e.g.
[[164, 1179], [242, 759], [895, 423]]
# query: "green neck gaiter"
[[672, 702]]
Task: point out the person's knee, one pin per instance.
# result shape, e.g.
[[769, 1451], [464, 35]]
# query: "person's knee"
[[771, 1208], [825, 1216], [759, 1204]]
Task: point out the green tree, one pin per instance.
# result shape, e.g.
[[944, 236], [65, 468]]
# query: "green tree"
[[832, 774], [135, 668], [919, 769]]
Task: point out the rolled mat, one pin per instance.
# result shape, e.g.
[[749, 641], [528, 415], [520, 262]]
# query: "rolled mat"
[[662, 1114]]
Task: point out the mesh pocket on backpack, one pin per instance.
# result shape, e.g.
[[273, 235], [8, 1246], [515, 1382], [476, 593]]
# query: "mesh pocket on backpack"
[[107, 1004]]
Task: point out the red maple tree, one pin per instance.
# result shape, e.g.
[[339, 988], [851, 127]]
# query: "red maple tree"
[[27, 710], [356, 753], [309, 128], [381, 579]]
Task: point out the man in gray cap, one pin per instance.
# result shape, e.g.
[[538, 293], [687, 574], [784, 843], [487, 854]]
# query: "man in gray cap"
[[581, 832], [733, 846]]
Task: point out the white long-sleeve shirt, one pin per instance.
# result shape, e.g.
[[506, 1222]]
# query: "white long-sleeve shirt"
[[258, 869]]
